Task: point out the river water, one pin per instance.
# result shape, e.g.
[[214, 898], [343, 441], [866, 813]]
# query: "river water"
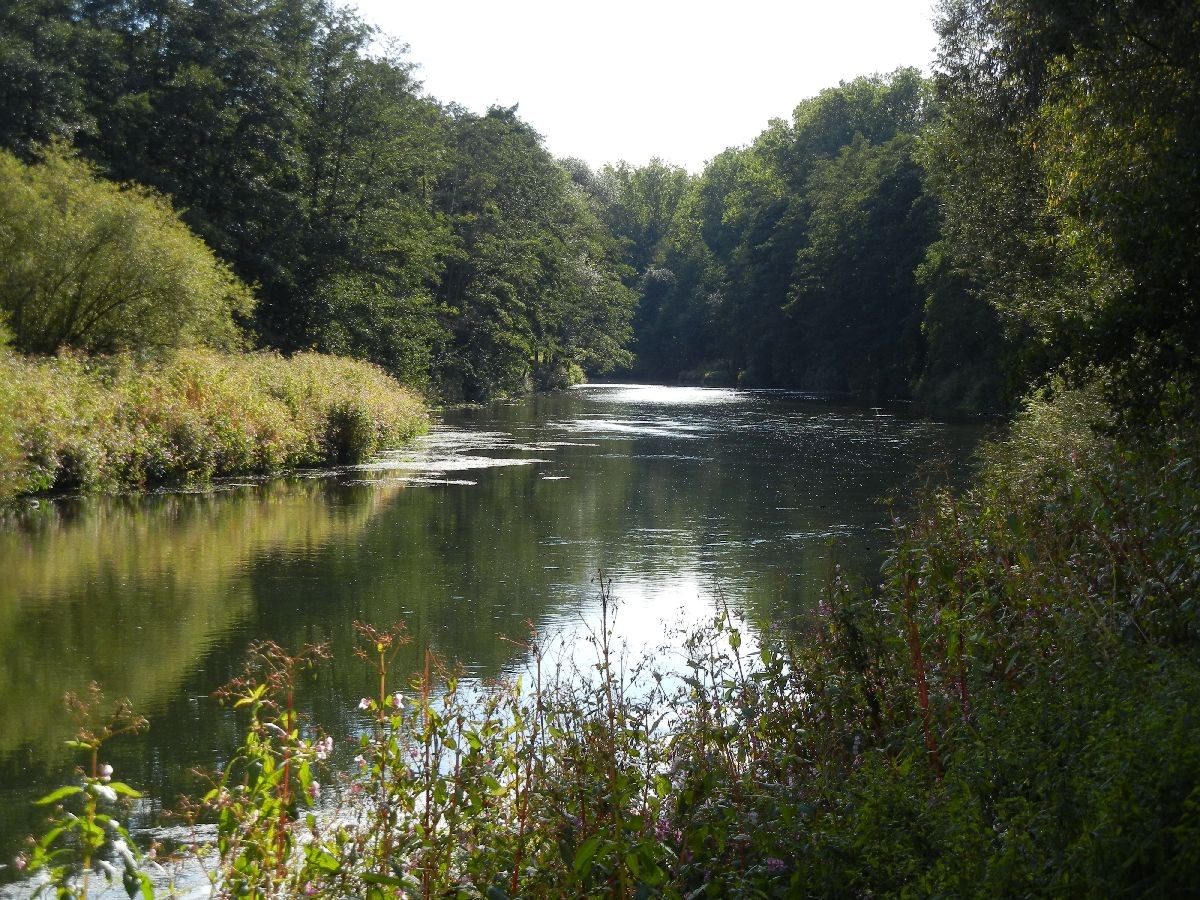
[[501, 516]]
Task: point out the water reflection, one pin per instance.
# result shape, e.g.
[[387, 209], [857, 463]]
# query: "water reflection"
[[501, 517]]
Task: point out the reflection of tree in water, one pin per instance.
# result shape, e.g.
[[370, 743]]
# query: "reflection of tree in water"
[[133, 592]]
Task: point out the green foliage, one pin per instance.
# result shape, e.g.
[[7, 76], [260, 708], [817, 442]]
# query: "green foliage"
[[535, 288], [83, 838], [448, 248], [98, 267], [1064, 163], [792, 262], [10, 448], [108, 423]]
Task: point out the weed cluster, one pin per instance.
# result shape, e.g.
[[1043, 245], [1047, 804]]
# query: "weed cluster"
[[73, 423]]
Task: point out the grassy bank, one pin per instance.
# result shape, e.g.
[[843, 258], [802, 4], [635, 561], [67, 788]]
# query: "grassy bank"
[[74, 423], [1011, 712]]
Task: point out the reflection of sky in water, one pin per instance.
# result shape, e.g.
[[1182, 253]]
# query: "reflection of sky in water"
[[660, 395]]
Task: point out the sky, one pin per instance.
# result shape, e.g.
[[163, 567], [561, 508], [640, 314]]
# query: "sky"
[[627, 80]]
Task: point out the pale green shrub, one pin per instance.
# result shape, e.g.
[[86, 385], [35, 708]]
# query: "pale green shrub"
[[79, 424], [93, 265]]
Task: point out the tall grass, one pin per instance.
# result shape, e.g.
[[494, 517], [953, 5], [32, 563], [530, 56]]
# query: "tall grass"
[[75, 423]]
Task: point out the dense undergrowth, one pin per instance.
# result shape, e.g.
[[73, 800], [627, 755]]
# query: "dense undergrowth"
[[1011, 712], [76, 423]]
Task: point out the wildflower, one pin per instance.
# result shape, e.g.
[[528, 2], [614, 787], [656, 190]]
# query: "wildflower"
[[106, 772], [397, 700], [323, 747], [21, 861], [775, 865], [360, 761], [355, 789], [309, 889], [314, 790], [824, 608], [104, 792], [364, 703]]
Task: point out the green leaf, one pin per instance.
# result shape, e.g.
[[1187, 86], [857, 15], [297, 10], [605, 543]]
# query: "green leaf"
[[583, 856], [388, 880], [55, 796], [125, 790]]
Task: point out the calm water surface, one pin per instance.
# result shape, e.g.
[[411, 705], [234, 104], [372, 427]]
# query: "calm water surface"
[[503, 515]]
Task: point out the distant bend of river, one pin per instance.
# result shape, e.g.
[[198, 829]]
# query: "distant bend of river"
[[501, 516]]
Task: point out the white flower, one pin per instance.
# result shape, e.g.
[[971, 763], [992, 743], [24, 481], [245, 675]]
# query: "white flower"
[[314, 789], [104, 792], [364, 703], [323, 747], [106, 772], [361, 761], [397, 700]]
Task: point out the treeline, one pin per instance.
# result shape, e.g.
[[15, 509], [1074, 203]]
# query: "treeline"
[[794, 261], [955, 239], [1029, 209], [448, 247]]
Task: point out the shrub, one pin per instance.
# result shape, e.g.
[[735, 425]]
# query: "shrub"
[[103, 267], [78, 424]]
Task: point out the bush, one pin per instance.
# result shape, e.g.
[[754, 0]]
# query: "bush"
[[101, 267], [78, 424]]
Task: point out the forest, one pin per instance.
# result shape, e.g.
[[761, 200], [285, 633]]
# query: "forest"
[[1009, 711], [951, 239]]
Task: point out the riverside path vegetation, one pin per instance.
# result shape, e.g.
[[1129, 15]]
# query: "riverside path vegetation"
[[1009, 711], [74, 423]]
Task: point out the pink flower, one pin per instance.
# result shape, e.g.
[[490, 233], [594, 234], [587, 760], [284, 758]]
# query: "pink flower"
[[360, 761], [323, 747], [106, 772], [397, 700], [775, 866], [314, 789], [21, 861], [364, 703], [309, 889]]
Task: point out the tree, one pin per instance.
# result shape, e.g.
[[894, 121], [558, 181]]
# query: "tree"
[[1066, 163], [534, 288], [102, 267]]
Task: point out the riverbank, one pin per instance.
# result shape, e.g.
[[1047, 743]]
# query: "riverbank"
[[76, 423], [1011, 711]]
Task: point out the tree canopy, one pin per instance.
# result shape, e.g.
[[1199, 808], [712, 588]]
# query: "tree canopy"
[[1031, 208], [102, 267]]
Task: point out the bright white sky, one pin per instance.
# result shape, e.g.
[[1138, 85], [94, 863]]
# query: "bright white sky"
[[669, 78]]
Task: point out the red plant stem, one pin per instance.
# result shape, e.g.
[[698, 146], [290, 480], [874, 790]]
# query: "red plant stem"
[[914, 647], [287, 763]]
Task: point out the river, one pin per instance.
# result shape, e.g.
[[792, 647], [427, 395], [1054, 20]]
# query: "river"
[[501, 516]]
